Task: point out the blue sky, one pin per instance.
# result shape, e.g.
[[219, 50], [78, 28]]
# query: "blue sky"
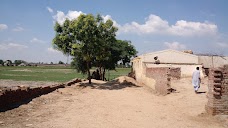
[[26, 26]]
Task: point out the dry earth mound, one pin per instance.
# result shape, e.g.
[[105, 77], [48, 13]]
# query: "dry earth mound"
[[118, 83]]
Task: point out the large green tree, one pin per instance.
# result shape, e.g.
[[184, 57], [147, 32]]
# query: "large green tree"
[[128, 51], [91, 41], [118, 51], [80, 39], [104, 52]]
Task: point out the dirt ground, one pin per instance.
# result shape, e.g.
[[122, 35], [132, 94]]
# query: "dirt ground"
[[13, 83], [116, 104]]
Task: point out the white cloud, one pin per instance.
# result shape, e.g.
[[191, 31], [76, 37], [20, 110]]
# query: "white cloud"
[[73, 14], [185, 28], [108, 17], [35, 40], [12, 46], [3, 26], [52, 50], [155, 25], [60, 17], [18, 29], [175, 45], [49, 9]]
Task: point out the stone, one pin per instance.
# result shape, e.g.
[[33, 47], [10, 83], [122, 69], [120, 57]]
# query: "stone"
[[28, 125]]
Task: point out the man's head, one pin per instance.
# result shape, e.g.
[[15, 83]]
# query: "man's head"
[[156, 57], [197, 68]]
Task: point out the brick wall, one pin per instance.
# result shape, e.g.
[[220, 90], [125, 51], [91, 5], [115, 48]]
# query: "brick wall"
[[175, 73], [218, 91], [162, 77], [14, 97]]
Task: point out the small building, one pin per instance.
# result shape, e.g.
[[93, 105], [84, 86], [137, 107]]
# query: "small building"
[[167, 58], [156, 69], [172, 59]]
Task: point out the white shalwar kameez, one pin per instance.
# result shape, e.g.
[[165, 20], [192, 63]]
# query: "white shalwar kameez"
[[196, 79]]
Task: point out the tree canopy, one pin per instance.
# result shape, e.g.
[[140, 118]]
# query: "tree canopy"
[[18, 62], [1, 62], [91, 41]]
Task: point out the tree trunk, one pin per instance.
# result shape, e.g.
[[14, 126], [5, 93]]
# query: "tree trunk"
[[88, 72], [108, 75], [100, 72], [103, 75]]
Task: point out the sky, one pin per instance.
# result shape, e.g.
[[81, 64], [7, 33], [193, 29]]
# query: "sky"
[[26, 26]]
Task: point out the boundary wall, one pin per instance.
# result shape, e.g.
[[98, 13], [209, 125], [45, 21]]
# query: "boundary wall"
[[15, 96]]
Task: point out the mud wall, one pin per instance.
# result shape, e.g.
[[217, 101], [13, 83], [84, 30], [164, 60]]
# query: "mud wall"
[[13, 97], [162, 76], [175, 73], [218, 91]]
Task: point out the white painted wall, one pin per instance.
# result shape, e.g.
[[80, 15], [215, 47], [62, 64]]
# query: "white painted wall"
[[171, 56], [140, 73], [213, 61]]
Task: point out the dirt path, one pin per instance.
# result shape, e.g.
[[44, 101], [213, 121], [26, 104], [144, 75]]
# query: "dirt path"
[[114, 105]]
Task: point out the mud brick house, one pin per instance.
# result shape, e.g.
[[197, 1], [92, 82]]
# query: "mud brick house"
[[171, 64]]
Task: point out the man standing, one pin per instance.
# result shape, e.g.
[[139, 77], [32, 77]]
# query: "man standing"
[[196, 79]]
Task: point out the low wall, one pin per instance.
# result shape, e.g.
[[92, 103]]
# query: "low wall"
[[13, 97], [186, 70], [162, 76], [218, 91], [146, 80]]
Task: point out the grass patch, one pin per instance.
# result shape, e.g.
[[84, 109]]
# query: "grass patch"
[[52, 73]]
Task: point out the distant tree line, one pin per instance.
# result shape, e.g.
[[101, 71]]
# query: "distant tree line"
[[10, 63], [22, 63], [92, 42]]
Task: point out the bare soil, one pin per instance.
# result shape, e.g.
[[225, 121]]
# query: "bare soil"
[[13, 83], [118, 104]]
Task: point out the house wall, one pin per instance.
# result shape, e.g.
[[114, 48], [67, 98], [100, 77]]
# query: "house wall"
[[140, 74], [137, 68], [186, 70], [157, 78], [213, 61], [162, 76], [171, 56]]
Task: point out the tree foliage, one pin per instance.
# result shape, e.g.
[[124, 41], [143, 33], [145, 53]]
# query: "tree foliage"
[[91, 41], [1, 62], [8, 63], [127, 51], [60, 62], [18, 62]]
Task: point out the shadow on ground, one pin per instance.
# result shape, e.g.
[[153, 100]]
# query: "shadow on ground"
[[112, 85], [201, 92]]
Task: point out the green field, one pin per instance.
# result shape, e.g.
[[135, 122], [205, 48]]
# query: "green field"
[[50, 73]]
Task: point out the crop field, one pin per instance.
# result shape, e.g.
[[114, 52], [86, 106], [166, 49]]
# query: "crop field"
[[51, 73]]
